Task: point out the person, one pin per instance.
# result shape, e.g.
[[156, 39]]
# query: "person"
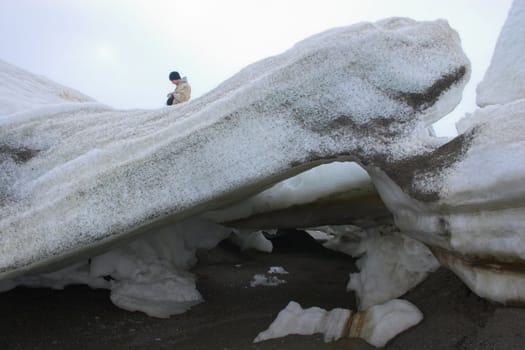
[[182, 91]]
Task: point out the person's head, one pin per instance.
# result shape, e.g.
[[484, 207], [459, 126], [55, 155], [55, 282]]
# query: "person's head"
[[174, 77]]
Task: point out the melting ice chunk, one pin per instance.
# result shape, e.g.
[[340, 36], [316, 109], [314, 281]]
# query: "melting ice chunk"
[[377, 325]]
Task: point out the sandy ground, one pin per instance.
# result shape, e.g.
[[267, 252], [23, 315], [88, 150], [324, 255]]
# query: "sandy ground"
[[234, 313]]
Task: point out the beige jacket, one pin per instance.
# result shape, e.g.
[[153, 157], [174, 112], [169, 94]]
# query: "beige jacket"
[[182, 92]]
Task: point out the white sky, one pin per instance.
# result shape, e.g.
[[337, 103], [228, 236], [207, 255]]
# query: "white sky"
[[121, 52]]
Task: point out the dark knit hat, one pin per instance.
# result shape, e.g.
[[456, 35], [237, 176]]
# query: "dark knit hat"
[[174, 76]]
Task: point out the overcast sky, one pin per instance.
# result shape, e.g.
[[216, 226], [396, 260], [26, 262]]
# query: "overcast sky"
[[121, 52]]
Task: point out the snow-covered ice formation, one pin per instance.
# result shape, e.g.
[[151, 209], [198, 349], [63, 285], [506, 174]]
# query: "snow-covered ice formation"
[[295, 320], [390, 263], [487, 241], [93, 176], [148, 274], [82, 180], [377, 325]]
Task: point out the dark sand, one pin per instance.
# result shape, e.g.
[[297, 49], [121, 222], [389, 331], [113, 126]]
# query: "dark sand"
[[234, 313]]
